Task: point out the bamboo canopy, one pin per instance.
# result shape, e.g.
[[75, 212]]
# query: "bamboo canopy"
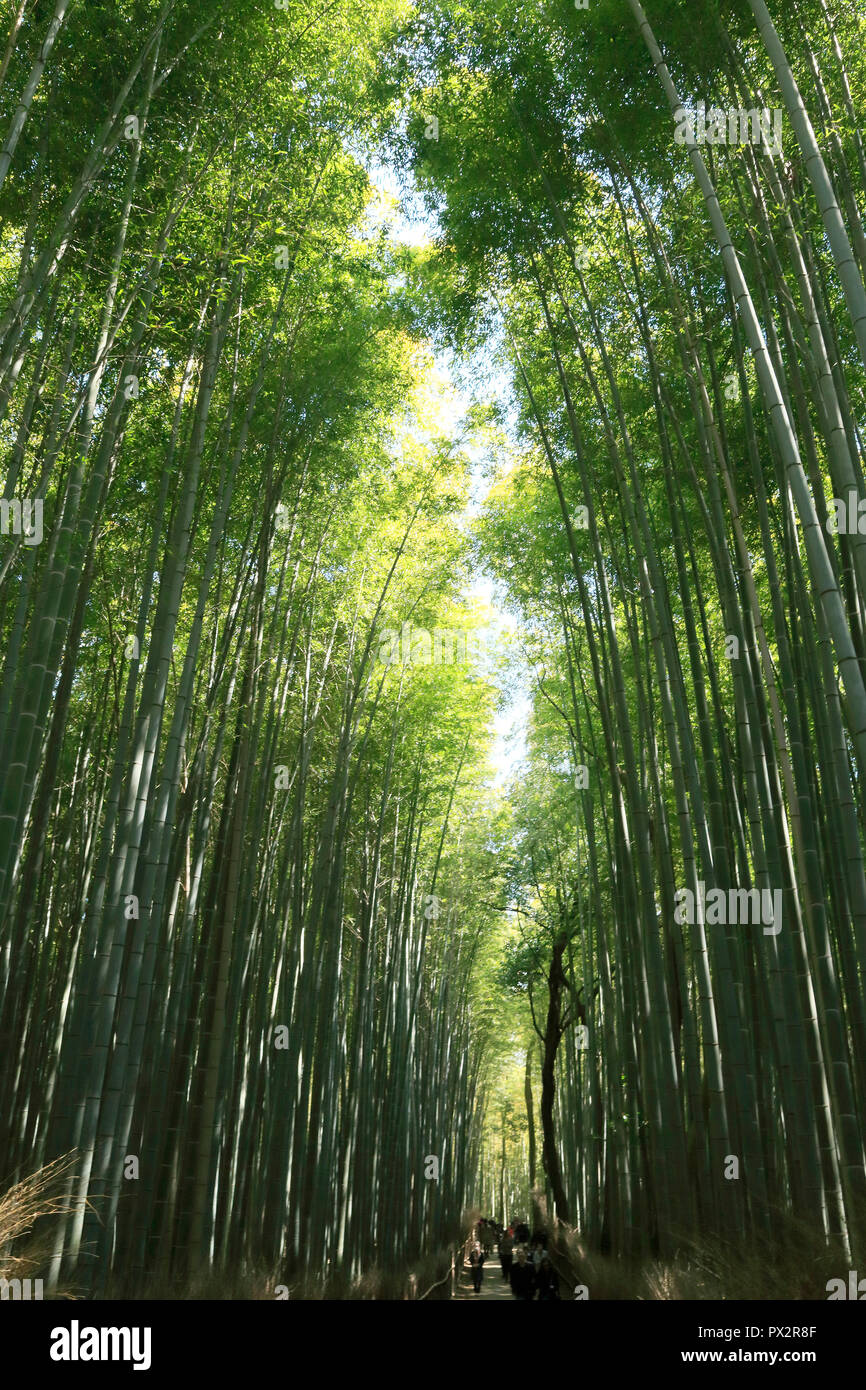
[[297, 964]]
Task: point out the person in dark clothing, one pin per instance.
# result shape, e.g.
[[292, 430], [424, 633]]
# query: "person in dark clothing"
[[476, 1267], [521, 1235], [523, 1278], [547, 1282], [506, 1255]]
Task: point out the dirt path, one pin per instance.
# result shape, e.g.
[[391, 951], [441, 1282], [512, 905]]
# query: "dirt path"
[[493, 1286]]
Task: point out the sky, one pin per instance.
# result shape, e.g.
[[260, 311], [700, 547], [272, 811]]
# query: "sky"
[[412, 225]]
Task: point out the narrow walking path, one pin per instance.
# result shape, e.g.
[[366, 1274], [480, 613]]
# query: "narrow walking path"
[[493, 1286]]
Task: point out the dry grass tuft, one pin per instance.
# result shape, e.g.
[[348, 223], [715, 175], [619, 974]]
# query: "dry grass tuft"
[[24, 1205], [795, 1262]]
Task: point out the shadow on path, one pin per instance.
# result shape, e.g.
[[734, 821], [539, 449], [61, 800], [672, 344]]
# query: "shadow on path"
[[493, 1286]]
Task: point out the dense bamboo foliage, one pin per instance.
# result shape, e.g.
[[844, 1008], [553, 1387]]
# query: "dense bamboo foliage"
[[683, 323], [278, 963], [236, 952]]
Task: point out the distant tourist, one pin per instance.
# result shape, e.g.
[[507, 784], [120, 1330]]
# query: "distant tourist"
[[506, 1255]]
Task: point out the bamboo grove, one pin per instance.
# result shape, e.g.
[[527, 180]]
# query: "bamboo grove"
[[279, 965], [683, 321], [236, 951]]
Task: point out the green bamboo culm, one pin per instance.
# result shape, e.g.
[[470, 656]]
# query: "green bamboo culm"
[[298, 978]]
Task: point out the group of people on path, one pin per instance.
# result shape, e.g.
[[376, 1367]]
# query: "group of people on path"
[[526, 1265]]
